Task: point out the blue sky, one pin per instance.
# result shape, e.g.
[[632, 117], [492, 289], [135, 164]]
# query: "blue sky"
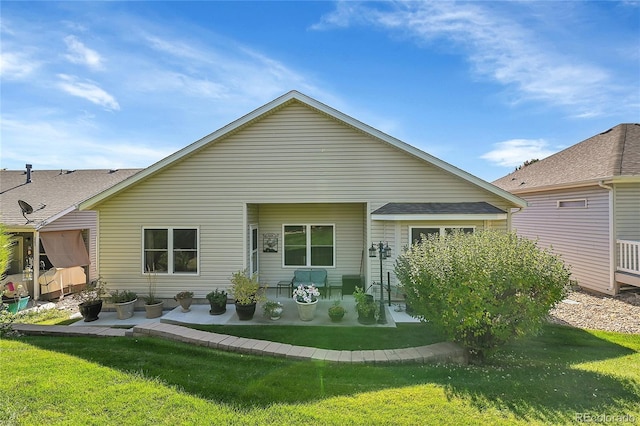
[[481, 85]]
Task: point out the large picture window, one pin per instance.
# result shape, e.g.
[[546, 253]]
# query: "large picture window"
[[309, 245], [170, 250]]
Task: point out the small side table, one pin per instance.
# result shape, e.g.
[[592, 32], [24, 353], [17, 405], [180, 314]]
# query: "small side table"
[[285, 284], [335, 286]]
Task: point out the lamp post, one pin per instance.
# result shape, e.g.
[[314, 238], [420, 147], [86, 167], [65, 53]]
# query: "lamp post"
[[384, 251]]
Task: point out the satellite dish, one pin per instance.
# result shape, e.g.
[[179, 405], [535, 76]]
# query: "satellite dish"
[[26, 209]]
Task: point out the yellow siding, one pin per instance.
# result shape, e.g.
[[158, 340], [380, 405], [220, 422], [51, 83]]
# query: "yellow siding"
[[294, 163]]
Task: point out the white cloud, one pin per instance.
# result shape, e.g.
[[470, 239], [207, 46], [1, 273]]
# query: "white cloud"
[[16, 66], [498, 47], [78, 53], [71, 144], [87, 90], [514, 152]]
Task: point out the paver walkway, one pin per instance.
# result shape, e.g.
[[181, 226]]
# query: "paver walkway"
[[444, 352]]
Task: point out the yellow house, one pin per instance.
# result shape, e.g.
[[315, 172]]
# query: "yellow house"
[[294, 184]]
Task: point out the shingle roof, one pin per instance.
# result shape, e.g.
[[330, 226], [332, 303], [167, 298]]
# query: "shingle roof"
[[610, 154], [57, 190], [439, 208]]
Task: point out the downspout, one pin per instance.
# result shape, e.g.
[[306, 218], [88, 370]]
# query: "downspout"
[[612, 239], [510, 215]]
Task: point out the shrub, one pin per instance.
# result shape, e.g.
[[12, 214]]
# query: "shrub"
[[482, 289]]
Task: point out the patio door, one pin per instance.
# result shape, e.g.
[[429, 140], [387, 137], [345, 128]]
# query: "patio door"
[[253, 259]]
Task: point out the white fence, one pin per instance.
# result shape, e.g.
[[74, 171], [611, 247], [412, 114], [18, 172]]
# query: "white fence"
[[629, 256]]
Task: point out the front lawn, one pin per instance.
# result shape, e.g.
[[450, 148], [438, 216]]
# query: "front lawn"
[[550, 379]]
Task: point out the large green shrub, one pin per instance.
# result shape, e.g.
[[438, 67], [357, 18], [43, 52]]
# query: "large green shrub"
[[482, 289]]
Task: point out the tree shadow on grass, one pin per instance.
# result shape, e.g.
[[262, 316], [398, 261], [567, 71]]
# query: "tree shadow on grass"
[[533, 379], [538, 378]]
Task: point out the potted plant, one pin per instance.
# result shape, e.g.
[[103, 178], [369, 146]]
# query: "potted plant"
[[152, 305], [246, 291], [184, 298], [91, 299], [218, 301], [272, 309], [337, 311], [124, 301], [306, 298], [365, 306]]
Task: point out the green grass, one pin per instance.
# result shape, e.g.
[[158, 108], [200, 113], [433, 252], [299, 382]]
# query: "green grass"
[[543, 380], [338, 338]]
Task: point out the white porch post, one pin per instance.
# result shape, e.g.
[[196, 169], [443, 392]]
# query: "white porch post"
[[36, 265], [368, 240]]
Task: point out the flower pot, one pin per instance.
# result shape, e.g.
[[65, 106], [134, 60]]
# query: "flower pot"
[[154, 310], [90, 310], [185, 303], [218, 308], [245, 312], [276, 313], [125, 310], [336, 316], [367, 319], [306, 311], [15, 305]]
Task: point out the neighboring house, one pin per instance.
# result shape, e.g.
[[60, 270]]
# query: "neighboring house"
[[585, 202], [53, 197], [293, 184]]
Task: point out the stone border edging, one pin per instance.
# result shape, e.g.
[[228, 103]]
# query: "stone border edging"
[[443, 352]]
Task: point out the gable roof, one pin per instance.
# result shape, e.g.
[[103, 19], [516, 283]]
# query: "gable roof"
[[295, 96], [613, 155], [51, 193]]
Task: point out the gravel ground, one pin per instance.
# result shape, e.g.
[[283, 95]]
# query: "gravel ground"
[[599, 312]]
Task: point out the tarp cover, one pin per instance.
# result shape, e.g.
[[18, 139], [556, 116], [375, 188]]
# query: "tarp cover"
[[65, 248]]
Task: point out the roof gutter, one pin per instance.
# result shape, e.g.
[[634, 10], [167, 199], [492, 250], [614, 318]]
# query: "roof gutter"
[[612, 238]]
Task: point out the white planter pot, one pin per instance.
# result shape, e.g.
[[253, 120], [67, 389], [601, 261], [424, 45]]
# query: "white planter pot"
[[306, 311], [125, 310]]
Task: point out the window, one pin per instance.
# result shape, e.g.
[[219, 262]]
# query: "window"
[[171, 250], [416, 232], [309, 245], [576, 204]]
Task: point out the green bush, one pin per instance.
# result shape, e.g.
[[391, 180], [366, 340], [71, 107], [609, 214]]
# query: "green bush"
[[483, 289]]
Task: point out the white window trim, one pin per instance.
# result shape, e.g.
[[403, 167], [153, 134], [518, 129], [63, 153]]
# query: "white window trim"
[[170, 271], [308, 254], [573, 200]]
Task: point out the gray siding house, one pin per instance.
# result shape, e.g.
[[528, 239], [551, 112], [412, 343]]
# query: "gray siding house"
[[53, 196], [585, 202], [293, 184]]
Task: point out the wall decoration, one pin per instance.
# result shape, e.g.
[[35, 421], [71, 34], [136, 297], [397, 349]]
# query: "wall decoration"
[[270, 243]]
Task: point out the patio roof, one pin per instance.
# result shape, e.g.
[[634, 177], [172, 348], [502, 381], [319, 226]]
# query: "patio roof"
[[439, 211]]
